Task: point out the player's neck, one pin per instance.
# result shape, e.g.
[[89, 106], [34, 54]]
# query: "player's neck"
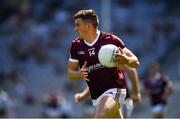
[[91, 37]]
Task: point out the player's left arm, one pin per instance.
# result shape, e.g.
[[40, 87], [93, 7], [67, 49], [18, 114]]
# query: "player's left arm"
[[133, 75], [134, 78], [169, 87], [125, 56], [85, 94]]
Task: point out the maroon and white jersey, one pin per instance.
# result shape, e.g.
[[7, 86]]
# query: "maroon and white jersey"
[[101, 78], [156, 88]]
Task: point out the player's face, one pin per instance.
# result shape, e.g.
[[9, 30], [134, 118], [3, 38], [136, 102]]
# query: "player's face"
[[152, 71], [80, 28]]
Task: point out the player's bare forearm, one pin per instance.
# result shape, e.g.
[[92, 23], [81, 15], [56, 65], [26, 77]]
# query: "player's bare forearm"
[[135, 84], [169, 88], [126, 57], [86, 93], [73, 74], [134, 79], [73, 71], [132, 60], [82, 96]]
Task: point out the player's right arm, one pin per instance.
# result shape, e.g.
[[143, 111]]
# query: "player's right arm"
[[74, 73], [73, 64]]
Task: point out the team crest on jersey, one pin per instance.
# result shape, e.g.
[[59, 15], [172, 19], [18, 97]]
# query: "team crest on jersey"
[[91, 51]]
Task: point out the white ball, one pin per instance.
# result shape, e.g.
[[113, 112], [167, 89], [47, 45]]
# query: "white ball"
[[106, 55]]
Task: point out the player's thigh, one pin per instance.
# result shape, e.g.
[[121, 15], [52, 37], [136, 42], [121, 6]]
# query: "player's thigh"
[[108, 106]]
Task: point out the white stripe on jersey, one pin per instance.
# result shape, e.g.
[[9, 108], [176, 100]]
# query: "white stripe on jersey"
[[73, 60]]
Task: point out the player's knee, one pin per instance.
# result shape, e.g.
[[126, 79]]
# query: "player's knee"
[[107, 112], [101, 114]]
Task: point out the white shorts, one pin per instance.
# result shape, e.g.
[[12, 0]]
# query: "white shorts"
[[158, 108], [116, 93], [127, 107]]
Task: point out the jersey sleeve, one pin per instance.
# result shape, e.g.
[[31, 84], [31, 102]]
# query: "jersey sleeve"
[[118, 42], [165, 80], [73, 52]]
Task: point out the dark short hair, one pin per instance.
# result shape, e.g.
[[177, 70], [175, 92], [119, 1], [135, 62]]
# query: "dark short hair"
[[155, 65], [88, 16]]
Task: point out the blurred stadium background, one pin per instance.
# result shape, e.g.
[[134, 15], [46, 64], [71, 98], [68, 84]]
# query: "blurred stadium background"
[[35, 36]]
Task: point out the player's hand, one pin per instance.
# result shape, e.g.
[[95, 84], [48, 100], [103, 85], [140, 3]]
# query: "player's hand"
[[120, 57], [78, 97], [136, 98], [164, 96], [83, 72]]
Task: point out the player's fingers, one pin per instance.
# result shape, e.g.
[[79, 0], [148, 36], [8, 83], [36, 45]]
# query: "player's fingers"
[[121, 51], [117, 52], [84, 65], [83, 71], [84, 74], [117, 58], [76, 97], [136, 99]]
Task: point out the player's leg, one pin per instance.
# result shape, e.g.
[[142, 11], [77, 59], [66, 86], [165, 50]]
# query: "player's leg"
[[118, 114], [108, 108], [158, 111], [108, 104], [158, 115]]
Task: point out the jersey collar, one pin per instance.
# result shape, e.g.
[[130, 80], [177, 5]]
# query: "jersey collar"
[[91, 44]]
